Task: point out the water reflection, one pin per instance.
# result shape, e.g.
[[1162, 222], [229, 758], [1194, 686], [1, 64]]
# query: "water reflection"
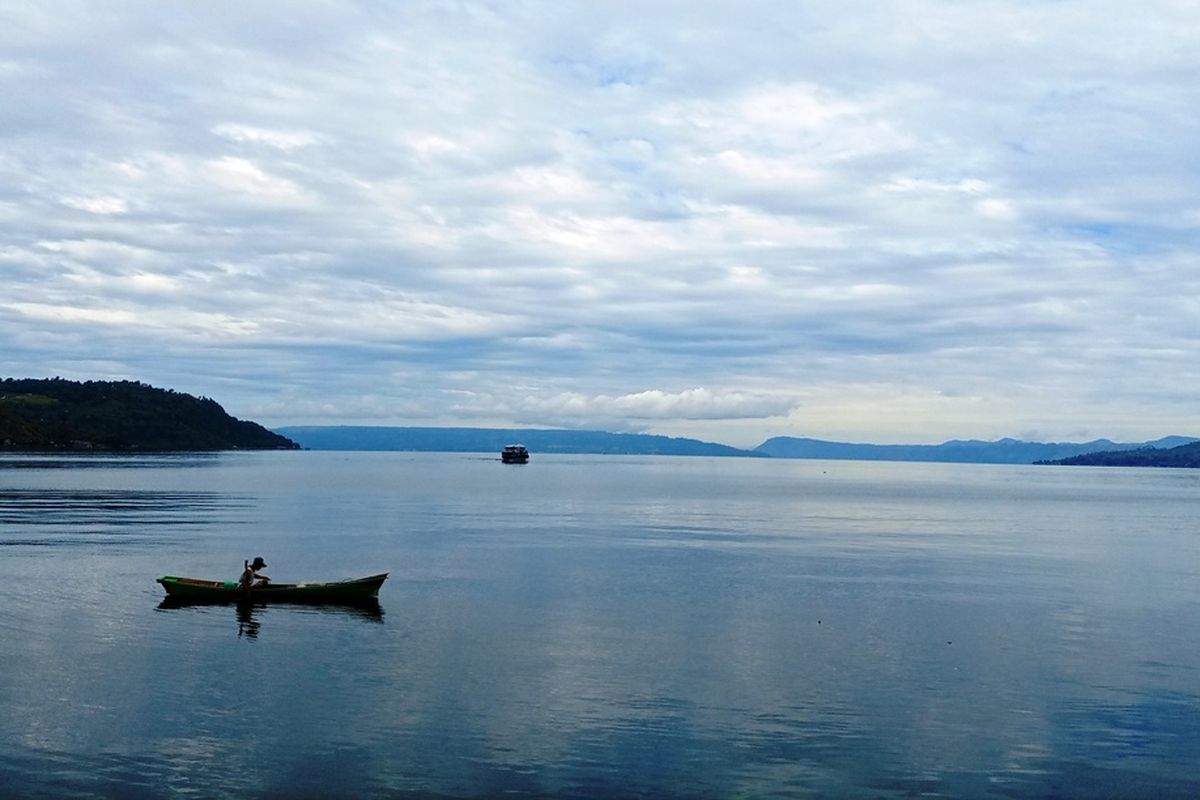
[[247, 624], [112, 507], [75, 461], [626, 627], [250, 615]]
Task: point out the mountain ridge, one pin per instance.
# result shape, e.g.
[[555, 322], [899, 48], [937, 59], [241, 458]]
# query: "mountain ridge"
[[482, 440], [1185, 455], [58, 414], [485, 440], [1000, 451]]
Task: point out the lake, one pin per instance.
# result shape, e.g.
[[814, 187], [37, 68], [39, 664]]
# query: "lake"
[[600, 626]]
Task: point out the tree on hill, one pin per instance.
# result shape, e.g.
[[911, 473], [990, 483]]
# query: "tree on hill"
[[1187, 455], [53, 414]]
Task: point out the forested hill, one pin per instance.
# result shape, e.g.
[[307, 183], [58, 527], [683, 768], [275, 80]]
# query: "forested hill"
[[57, 414], [1187, 455]]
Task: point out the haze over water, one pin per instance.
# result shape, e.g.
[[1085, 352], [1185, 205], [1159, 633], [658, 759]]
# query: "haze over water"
[[600, 626]]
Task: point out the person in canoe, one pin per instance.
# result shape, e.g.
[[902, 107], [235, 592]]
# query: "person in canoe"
[[251, 577]]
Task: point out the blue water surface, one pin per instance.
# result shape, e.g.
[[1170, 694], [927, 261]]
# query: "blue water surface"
[[592, 626]]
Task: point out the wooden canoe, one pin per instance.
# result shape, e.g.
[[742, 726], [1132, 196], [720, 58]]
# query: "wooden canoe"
[[199, 590]]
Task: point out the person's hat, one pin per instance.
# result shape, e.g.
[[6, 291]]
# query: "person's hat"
[[258, 562]]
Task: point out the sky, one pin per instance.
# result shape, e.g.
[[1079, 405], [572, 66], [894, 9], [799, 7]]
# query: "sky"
[[893, 222]]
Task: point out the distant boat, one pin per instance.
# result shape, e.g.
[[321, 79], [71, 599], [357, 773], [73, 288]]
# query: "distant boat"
[[348, 592], [514, 454]]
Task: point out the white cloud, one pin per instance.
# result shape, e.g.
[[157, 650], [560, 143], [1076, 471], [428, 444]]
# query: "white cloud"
[[698, 403], [637, 411], [281, 140], [924, 200], [98, 205], [242, 176]]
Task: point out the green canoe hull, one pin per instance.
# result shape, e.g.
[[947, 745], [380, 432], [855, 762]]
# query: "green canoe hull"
[[348, 592]]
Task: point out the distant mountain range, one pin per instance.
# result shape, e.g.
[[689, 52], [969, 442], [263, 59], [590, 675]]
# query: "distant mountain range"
[[1187, 455], [1003, 451], [57, 414], [487, 440], [492, 440]]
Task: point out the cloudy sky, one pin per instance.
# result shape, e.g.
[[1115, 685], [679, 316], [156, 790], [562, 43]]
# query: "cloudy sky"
[[901, 221]]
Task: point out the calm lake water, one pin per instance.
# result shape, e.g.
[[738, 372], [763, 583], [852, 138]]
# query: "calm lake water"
[[590, 626]]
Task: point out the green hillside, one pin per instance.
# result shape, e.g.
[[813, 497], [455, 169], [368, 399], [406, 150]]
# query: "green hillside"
[[1187, 455], [57, 414]]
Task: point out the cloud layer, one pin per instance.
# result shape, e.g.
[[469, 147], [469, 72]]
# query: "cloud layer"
[[896, 222]]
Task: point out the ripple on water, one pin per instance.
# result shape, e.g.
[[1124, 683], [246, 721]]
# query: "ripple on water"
[[47, 508]]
